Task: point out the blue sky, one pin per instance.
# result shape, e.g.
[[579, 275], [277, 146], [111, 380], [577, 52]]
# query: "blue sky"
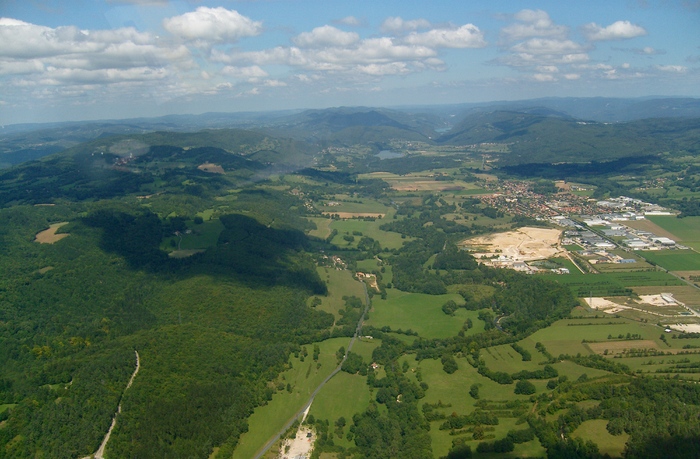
[[106, 59]]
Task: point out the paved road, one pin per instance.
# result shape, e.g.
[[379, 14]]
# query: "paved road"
[[306, 406]]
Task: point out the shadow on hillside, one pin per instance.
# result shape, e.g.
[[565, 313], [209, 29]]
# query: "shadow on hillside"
[[247, 250]]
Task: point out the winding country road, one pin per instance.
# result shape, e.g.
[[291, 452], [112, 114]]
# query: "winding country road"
[[307, 405]]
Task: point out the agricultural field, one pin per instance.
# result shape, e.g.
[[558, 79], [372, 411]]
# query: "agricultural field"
[[426, 182], [418, 312], [686, 230], [674, 260], [358, 228], [567, 336]]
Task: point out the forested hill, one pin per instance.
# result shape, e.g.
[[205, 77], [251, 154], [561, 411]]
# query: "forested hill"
[[157, 162], [352, 125], [537, 138]]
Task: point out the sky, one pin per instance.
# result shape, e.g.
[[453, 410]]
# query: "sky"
[[64, 60]]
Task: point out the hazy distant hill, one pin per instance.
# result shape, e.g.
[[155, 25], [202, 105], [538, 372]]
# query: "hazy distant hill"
[[353, 125], [362, 125], [556, 138], [603, 109]]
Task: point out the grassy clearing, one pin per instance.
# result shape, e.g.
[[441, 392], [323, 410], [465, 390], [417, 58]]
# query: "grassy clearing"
[[595, 430], [340, 284], [344, 395], [6, 407], [674, 260], [365, 347], [323, 229], [202, 236], [368, 228], [303, 379], [418, 312]]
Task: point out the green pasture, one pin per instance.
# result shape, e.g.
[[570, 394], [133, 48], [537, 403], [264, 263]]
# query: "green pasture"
[[303, 378], [419, 312], [595, 430], [202, 236], [344, 395], [504, 358], [686, 229], [323, 229], [371, 264], [649, 365], [364, 347], [357, 205], [574, 371], [612, 283], [388, 239], [442, 441], [340, 284], [563, 338], [674, 260]]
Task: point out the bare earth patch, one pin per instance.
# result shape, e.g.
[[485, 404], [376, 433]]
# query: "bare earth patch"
[[688, 328], [605, 305], [523, 244], [355, 214], [49, 236], [300, 446], [211, 168]]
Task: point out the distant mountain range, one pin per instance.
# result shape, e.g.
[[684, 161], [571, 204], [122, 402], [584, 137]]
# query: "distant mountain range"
[[527, 124]]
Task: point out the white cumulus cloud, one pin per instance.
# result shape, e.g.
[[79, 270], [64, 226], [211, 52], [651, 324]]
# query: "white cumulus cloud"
[[212, 25], [397, 24], [325, 36], [672, 68], [466, 36], [533, 23], [619, 30]]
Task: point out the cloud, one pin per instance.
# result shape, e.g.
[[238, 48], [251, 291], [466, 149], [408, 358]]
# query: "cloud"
[[212, 25], [325, 36], [396, 25], [466, 36], [620, 30], [544, 77], [672, 68], [370, 56], [547, 46], [533, 23], [252, 72], [351, 21]]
